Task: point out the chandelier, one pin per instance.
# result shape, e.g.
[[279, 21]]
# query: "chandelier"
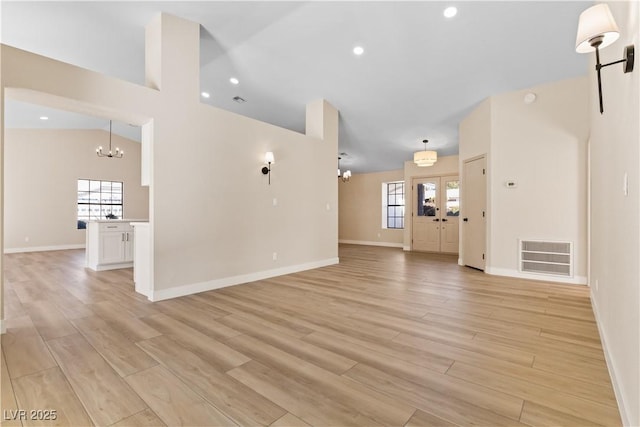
[[118, 154], [425, 158]]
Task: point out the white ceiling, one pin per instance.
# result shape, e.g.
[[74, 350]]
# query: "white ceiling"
[[420, 74]]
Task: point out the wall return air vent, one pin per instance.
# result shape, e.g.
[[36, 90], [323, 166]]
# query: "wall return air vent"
[[553, 258]]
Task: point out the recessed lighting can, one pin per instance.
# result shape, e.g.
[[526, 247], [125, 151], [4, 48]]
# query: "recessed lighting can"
[[450, 12], [358, 50], [205, 95], [234, 81], [44, 118], [530, 98]]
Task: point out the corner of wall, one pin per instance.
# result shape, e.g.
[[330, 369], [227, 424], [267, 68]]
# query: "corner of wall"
[[321, 120], [623, 405], [209, 285]]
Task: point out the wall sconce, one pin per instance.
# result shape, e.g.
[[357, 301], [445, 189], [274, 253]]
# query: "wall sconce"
[[596, 30], [343, 176], [268, 159]]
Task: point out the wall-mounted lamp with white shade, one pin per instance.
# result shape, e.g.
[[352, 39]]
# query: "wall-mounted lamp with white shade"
[[269, 160], [596, 30], [344, 176]]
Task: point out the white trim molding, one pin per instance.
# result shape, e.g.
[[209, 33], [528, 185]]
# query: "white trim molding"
[[575, 280], [194, 288], [43, 248], [622, 404], [367, 243]]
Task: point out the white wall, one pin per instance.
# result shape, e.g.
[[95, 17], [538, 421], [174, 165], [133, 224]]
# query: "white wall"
[[542, 147], [475, 141], [41, 172], [360, 217], [211, 211], [615, 217], [214, 216], [2, 325]]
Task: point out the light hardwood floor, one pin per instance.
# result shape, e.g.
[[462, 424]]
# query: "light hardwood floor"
[[383, 338]]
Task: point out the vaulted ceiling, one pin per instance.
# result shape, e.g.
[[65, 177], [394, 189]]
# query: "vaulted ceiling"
[[419, 75]]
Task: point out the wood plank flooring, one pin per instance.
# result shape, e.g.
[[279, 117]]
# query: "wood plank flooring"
[[384, 338]]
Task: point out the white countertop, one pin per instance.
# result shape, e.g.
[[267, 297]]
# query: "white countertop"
[[119, 220]]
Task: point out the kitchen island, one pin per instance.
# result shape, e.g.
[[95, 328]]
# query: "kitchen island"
[[110, 244]]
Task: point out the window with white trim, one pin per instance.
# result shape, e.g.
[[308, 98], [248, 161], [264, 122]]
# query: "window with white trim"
[[98, 200], [393, 205]]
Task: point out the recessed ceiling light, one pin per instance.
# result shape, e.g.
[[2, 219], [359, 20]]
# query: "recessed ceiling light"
[[234, 81], [358, 50], [205, 95], [44, 118], [530, 98], [450, 12]]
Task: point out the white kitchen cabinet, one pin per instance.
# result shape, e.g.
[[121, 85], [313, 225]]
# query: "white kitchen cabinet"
[[110, 245]]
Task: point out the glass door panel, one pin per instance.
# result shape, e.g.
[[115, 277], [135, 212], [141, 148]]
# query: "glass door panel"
[[452, 197], [427, 202]]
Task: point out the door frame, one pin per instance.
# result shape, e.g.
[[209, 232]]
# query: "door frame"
[[410, 208]]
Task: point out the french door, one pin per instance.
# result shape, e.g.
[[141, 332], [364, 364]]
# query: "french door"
[[436, 209]]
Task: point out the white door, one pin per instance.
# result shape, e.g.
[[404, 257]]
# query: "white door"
[[450, 208], [435, 214], [426, 215], [111, 247], [473, 213]]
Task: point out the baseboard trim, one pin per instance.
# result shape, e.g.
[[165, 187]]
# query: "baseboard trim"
[[460, 262], [622, 408], [105, 267], [367, 243], [575, 280], [406, 248], [3, 327], [43, 248], [179, 291]]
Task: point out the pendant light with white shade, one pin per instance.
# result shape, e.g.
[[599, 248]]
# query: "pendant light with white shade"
[[425, 158]]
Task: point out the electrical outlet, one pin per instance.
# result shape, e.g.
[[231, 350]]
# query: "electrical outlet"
[[26, 239], [275, 202], [596, 284], [275, 256]]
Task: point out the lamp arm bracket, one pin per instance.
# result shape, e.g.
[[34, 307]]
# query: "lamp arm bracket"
[[629, 56], [611, 63]]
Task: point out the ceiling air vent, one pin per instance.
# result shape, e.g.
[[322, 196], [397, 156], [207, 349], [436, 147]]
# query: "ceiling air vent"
[[554, 258], [239, 99]]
